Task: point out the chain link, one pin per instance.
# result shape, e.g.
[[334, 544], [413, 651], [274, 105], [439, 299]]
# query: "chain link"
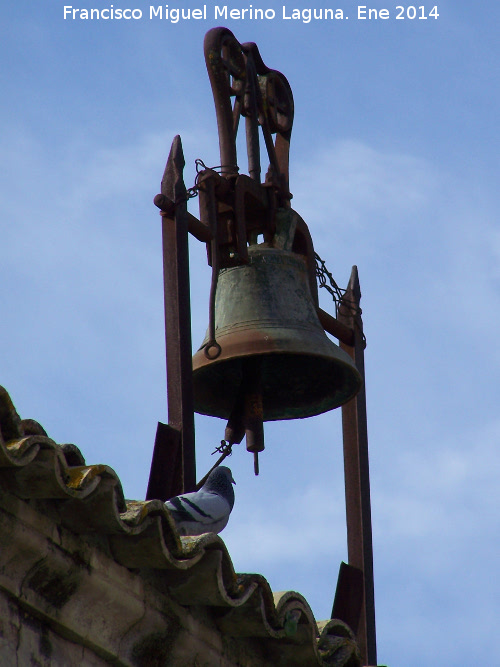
[[322, 274], [224, 448], [326, 280]]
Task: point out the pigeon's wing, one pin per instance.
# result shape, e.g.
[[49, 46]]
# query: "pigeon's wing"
[[178, 511], [201, 507]]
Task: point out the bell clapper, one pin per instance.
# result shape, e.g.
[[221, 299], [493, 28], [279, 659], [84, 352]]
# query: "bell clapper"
[[246, 417], [253, 412], [256, 462]]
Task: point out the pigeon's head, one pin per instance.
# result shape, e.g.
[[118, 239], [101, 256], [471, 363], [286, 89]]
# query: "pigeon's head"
[[221, 481]]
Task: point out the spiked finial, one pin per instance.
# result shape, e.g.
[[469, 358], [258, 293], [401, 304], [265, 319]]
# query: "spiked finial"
[[172, 183]]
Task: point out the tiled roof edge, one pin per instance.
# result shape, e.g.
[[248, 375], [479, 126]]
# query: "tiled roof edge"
[[142, 534]]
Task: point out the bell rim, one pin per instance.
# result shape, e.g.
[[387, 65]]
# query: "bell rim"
[[351, 381]]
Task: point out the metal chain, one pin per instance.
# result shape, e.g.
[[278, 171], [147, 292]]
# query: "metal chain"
[[322, 274], [337, 293], [201, 166], [225, 449]]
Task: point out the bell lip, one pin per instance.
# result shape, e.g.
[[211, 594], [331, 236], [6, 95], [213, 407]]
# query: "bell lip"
[[329, 403]]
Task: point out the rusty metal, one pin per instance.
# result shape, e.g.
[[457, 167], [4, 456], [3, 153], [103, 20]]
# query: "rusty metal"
[[195, 227], [253, 411], [178, 317], [246, 417], [334, 327], [275, 106], [349, 596], [357, 473], [209, 181], [235, 427], [253, 210], [226, 449], [262, 95], [227, 73], [165, 478]]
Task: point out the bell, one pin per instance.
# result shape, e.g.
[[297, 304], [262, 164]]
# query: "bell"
[[272, 346]]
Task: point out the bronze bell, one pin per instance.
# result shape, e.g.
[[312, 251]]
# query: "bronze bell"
[[274, 354]]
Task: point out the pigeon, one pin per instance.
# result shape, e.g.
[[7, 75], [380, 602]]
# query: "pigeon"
[[206, 510]]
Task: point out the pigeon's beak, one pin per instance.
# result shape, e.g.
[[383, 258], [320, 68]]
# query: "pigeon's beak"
[[232, 480]]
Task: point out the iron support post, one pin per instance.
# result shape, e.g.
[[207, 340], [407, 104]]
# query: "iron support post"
[[357, 475], [177, 333]]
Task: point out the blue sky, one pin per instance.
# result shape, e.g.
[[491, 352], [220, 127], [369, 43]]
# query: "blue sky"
[[394, 166]]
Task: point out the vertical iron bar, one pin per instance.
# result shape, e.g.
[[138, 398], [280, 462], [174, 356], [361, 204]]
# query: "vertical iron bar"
[[252, 121], [349, 596], [220, 72], [357, 474], [253, 147], [178, 315]]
